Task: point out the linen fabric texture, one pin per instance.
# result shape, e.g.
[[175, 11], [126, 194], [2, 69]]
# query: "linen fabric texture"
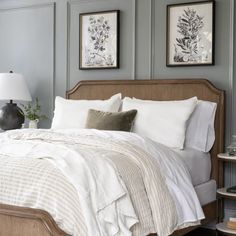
[[69, 114], [151, 173], [162, 121], [120, 121], [200, 133]]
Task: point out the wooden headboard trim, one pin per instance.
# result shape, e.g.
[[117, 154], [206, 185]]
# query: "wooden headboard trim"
[[143, 82], [163, 89]]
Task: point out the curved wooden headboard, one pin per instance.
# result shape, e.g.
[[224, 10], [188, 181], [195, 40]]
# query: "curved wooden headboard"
[[162, 89]]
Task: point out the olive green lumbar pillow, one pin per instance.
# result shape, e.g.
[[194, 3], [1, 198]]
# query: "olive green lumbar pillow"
[[121, 121]]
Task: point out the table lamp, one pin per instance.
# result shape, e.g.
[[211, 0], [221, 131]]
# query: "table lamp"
[[12, 87]]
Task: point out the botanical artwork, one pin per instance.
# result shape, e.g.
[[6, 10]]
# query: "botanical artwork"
[[189, 26], [190, 34], [99, 40]]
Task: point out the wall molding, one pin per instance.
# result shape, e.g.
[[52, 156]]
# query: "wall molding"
[[152, 39], [134, 38], [231, 62], [68, 46], [25, 6], [36, 6], [54, 55], [231, 81], [79, 2]]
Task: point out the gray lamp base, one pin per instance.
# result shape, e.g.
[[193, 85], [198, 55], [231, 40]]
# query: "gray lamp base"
[[11, 117]]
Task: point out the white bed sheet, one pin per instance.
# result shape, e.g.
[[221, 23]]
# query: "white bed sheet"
[[206, 192], [198, 164]]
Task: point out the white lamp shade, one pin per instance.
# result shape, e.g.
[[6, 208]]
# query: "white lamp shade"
[[13, 87]]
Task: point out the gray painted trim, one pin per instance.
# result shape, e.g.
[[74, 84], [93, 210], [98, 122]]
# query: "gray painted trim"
[[68, 46], [35, 6], [25, 6], [231, 79], [81, 1], [231, 61], [134, 38], [152, 35], [69, 3], [54, 56]]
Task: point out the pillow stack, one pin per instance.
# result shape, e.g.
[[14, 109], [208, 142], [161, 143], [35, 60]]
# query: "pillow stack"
[[175, 124]]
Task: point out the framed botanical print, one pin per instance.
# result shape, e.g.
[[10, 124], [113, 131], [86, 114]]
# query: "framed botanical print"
[[190, 34], [99, 40]]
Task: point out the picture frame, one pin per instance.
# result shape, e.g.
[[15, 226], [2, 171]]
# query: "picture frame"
[[99, 40], [190, 34]]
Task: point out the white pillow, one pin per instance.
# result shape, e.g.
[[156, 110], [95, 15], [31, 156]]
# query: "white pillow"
[[73, 113], [162, 121], [200, 133]]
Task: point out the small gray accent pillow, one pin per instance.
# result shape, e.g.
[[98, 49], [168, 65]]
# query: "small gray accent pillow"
[[120, 121]]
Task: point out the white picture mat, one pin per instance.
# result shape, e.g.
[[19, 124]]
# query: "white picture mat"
[[111, 43], [206, 44]]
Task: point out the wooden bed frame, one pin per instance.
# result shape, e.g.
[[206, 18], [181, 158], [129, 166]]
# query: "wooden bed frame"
[[17, 221]]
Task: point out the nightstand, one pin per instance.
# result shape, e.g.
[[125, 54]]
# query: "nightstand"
[[221, 195]]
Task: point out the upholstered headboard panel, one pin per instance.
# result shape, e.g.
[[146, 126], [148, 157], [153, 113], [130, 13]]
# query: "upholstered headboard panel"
[[162, 89]]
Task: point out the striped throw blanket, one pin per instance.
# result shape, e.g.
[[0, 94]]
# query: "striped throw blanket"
[[91, 184]]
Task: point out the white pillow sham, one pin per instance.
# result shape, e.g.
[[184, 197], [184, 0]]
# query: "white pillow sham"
[[162, 121], [200, 133], [73, 113]]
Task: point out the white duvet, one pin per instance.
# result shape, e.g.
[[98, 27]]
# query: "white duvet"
[[92, 162]]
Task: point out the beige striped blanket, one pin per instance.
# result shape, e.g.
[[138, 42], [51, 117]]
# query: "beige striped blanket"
[[31, 175]]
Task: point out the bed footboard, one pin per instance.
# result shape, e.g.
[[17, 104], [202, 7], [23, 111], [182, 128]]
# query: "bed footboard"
[[17, 221]]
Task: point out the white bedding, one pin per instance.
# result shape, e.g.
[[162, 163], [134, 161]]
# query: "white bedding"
[[206, 192], [198, 164], [96, 153]]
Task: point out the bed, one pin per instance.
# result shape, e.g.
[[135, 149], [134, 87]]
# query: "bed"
[[16, 220]]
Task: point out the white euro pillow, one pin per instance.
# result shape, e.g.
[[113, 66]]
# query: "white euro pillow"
[[200, 133], [69, 114], [162, 121]]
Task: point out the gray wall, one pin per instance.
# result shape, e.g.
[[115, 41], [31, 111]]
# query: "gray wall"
[[39, 38]]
